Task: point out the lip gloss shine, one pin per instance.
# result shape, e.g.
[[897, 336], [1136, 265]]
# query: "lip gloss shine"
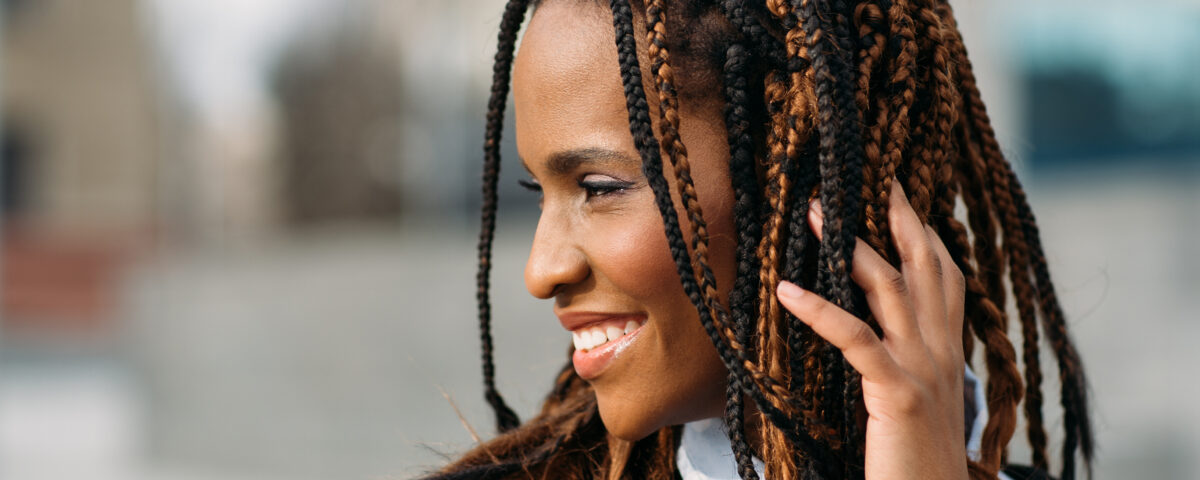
[[591, 363]]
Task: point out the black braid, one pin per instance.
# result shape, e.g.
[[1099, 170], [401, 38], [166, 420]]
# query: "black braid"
[[807, 14], [799, 237], [648, 148], [797, 254], [841, 163], [822, 50], [832, 260], [746, 220], [514, 15], [848, 148], [851, 151], [740, 14]]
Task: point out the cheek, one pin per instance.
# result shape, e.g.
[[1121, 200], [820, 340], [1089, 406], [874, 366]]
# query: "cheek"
[[675, 376], [634, 257]]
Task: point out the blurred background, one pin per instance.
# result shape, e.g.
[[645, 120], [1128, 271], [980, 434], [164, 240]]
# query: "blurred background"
[[238, 237]]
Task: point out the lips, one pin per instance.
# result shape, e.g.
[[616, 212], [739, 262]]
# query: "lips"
[[600, 338]]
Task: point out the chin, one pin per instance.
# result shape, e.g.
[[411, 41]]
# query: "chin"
[[626, 418], [633, 410]]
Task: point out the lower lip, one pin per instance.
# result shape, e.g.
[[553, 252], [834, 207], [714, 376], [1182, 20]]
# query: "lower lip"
[[592, 363]]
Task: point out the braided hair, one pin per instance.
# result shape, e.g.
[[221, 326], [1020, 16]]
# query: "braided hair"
[[823, 99]]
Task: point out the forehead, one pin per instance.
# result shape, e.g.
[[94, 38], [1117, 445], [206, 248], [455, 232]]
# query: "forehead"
[[567, 90]]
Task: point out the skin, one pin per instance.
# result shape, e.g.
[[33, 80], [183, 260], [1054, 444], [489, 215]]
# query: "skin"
[[600, 247]]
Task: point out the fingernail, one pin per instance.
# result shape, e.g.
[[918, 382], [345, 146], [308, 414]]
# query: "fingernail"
[[898, 189], [789, 289], [816, 219], [815, 208]]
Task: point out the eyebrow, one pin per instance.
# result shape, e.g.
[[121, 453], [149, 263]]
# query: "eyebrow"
[[567, 161]]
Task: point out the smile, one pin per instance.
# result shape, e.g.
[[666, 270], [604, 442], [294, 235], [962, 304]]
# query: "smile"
[[600, 339], [597, 335]]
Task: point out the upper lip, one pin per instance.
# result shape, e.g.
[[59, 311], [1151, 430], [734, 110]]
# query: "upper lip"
[[575, 320]]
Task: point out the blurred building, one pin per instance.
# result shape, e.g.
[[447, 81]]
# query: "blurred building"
[[339, 101], [80, 158], [1095, 101]]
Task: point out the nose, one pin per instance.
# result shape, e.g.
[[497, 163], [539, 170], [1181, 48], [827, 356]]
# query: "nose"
[[556, 260]]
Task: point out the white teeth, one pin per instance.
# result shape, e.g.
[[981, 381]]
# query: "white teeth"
[[595, 338], [613, 332], [587, 339], [599, 337]]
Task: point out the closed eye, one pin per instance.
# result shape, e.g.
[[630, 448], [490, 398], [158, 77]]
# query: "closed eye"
[[599, 188]]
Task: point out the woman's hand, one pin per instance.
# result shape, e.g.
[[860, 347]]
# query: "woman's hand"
[[912, 379]]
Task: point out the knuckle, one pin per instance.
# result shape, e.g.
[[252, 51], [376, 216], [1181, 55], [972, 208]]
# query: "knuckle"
[[813, 313], [892, 280], [816, 308], [956, 276], [956, 358], [934, 262], [862, 335], [909, 400], [924, 257]]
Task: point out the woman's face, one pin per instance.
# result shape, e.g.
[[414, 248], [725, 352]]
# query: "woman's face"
[[600, 250]]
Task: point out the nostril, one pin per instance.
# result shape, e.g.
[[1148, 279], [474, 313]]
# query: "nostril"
[[556, 259], [553, 279], [541, 280]]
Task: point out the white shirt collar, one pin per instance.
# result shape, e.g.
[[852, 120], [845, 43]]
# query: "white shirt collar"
[[706, 454]]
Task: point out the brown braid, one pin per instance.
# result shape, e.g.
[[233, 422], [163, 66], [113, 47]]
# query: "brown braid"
[[945, 105], [828, 99], [984, 317], [770, 345], [1015, 248], [676, 152], [871, 27], [1018, 219], [1073, 396]]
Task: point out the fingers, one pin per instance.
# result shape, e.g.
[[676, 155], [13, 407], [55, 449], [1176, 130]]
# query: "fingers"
[[920, 264], [953, 283], [854, 338], [922, 300], [885, 288]]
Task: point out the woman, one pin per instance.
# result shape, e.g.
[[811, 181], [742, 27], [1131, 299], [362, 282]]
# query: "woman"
[[813, 290]]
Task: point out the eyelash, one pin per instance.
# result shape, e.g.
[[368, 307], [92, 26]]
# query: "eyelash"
[[529, 185], [600, 189], [593, 189]]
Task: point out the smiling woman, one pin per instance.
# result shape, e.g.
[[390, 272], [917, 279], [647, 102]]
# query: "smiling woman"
[[794, 268]]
